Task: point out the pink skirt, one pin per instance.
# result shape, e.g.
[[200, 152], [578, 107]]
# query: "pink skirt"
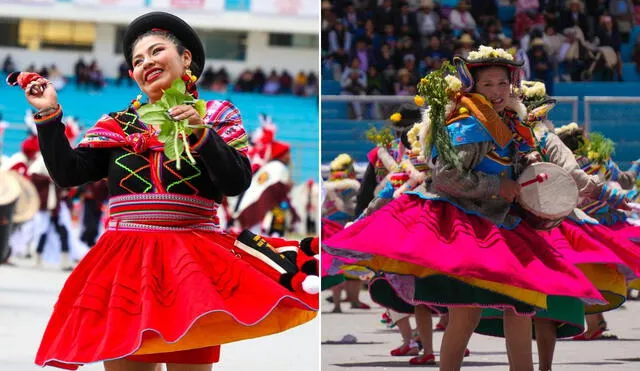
[[422, 237]]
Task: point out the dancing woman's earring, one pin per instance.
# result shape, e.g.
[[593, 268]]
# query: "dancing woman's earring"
[[136, 102]]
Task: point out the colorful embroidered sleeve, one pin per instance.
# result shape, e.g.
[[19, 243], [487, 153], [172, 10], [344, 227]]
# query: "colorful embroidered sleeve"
[[626, 179], [468, 184], [226, 121], [223, 148]]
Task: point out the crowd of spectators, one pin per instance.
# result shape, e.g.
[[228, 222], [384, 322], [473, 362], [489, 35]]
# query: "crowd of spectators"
[[257, 81], [90, 76], [383, 47]]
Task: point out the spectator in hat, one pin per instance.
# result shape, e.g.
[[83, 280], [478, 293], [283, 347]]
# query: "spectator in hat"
[[461, 18], [574, 16], [427, 19], [608, 36], [540, 64], [465, 45], [405, 84]]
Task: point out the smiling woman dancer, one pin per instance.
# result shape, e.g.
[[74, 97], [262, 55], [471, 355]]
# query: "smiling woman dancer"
[[458, 238], [164, 284]]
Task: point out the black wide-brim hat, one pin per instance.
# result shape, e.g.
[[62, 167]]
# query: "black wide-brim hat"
[[463, 66], [171, 24], [409, 113]]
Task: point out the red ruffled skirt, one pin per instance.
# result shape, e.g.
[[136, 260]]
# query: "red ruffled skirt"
[[152, 292]]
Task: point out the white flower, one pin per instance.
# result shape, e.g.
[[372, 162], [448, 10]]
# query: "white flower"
[[532, 89], [489, 52], [567, 128], [412, 137], [453, 83]]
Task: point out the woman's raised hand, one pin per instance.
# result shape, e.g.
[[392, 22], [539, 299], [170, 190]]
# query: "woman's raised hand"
[[41, 94]]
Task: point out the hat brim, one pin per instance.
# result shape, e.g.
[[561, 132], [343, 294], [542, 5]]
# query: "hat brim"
[[490, 62], [173, 25]]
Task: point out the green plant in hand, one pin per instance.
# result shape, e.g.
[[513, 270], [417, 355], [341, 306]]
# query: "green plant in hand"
[[173, 133], [433, 89]]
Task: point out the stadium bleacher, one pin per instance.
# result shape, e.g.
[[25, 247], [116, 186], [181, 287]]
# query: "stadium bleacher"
[[296, 117]]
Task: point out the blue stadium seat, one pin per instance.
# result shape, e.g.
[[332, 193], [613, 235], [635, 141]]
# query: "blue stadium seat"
[[597, 88], [629, 72], [330, 87], [237, 5]]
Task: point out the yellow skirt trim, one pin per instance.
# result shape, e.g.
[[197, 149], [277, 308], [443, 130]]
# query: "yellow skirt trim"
[[219, 328], [609, 281], [534, 298], [635, 284]]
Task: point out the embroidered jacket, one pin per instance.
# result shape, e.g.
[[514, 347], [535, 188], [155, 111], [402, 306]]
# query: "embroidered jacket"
[[127, 152]]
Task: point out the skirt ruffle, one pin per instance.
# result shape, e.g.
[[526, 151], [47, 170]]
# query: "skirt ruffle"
[[606, 259], [419, 237], [164, 297]]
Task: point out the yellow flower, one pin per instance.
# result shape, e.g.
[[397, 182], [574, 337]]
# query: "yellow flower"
[[342, 161], [396, 117], [418, 100], [423, 80]]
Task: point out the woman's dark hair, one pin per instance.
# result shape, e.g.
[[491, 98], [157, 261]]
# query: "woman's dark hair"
[[573, 139]]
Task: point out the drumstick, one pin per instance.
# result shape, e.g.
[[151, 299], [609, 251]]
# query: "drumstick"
[[538, 179]]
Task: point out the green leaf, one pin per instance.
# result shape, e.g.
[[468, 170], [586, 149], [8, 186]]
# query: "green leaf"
[[179, 85], [164, 136], [169, 150], [172, 97], [147, 108], [201, 107], [155, 118]]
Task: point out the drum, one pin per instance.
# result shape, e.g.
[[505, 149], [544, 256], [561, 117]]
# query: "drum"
[[9, 193], [28, 202], [548, 194]]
